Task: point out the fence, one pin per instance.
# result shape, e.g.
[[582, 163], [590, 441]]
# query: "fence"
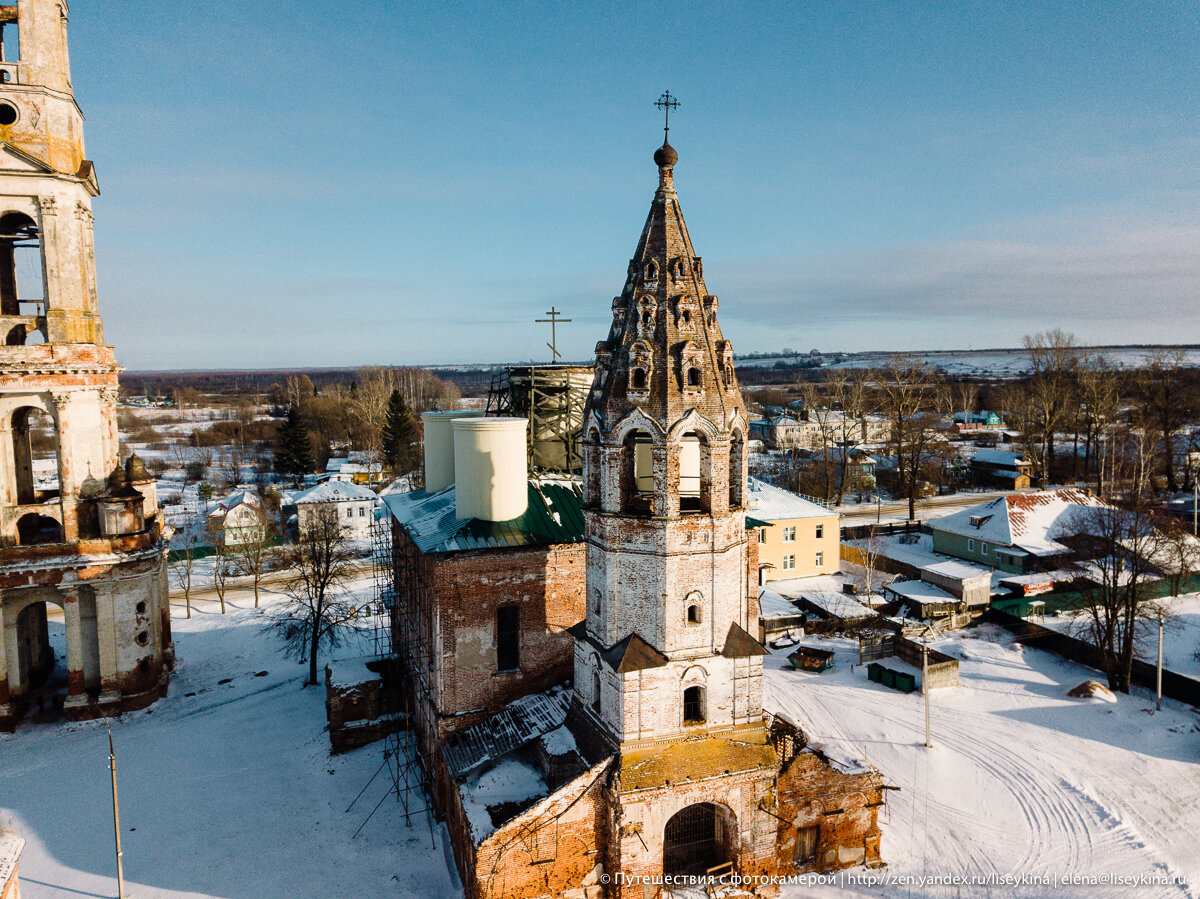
[[1176, 686]]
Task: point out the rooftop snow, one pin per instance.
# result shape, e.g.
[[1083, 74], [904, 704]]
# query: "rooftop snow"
[[335, 492], [523, 720], [774, 605], [772, 503], [919, 591], [1029, 521], [999, 457]]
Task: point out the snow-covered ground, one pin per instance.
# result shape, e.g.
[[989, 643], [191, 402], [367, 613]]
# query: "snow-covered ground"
[[1021, 780], [227, 790]]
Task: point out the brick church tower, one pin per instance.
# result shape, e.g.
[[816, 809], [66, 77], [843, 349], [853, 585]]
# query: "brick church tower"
[[665, 664], [79, 528]]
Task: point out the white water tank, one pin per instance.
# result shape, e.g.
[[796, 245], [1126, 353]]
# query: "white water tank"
[[491, 469], [439, 448]]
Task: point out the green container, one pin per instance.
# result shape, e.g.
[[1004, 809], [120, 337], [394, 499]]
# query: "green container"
[[905, 682], [889, 678], [875, 672]]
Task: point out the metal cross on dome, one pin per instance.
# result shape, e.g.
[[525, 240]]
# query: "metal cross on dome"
[[666, 103]]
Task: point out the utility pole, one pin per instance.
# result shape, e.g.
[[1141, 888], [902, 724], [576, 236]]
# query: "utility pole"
[[112, 767], [1196, 504], [1158, 691], [925, 683]]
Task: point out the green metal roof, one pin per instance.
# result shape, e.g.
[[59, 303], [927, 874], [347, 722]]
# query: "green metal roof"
[[554, 515], [758, 523]]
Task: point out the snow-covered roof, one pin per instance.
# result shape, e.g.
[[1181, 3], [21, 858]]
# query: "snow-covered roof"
[[959, 570], [335, 492], [771, 503], [774, 605], [1028, 521], [235, 499], [920, 591], [837, 605], [1000, 457], [11, 845]]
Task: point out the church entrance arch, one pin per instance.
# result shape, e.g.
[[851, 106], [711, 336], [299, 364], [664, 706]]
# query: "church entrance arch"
[[699, 838]]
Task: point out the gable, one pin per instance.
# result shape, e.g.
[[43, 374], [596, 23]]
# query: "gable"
[[13, 159]]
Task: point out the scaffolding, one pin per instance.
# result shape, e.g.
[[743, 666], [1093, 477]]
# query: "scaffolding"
[[402, 753], [552, 397]]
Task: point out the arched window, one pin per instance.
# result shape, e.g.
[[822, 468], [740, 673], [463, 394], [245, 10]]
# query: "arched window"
[[693, 377], [33, 529], [637, 474], [22, 277], [596, 689], [33, 477], [737, 450], [686, 316], [638, 381], [647, 318], [592, 453], [693, 706], [693, 614], [694, 473], [651, 271]]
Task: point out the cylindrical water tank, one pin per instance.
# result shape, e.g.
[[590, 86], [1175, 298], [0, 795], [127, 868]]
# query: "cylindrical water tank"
[[491, 469], [439, 448]]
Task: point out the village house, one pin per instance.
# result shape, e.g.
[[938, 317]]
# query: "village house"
[[1018, 534], [354, 503], [356, 467], [971, 422], [797, 537], [999, 468], [239, 518]]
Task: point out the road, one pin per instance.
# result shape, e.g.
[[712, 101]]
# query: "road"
[[932, 507]]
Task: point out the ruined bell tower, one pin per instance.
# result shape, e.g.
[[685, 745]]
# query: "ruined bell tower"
[[80, 529]]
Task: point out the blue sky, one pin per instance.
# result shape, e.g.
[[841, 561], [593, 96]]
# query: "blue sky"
[[292, 184]]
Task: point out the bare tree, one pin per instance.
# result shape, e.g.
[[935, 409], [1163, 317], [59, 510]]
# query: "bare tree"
[[216, 533], [181, 562], [317, 610], [1099, 402], [1168, 403], [914, 398], [1054, 360], [255, 551]]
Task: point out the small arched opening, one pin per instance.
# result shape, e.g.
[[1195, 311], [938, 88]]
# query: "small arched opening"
[[737, 464], [34, 529], [33, 477], [596, 690], [693, 377], [699, 839], [638, 379], [693, 613], [694, 711], [637, 474], [22, 274], [694, 466], [592, 451]]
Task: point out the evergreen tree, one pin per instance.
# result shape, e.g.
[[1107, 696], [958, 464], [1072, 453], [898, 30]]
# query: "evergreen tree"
[[399, 436], [293, 454]]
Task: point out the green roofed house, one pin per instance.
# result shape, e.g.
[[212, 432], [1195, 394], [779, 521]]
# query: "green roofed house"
[[1018, 533]]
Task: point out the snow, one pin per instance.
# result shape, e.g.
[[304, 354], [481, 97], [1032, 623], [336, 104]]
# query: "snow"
[[771, 503], [1021, 779], [227, 792], [509, 780], [347, 673], [1181, 633], [559, 741], [772, 605]]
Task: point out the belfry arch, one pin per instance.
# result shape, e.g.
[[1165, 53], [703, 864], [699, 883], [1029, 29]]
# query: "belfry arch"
[[698, 839]]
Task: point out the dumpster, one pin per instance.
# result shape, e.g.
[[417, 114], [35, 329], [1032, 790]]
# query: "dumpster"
[[875, 672], [905, 683], [807, 658], [889, 678]]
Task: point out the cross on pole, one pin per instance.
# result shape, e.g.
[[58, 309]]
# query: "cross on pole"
[[554, 321], [666, 103]]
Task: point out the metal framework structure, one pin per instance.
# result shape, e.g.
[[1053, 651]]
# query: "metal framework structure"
[[552, 397], [396, 643]]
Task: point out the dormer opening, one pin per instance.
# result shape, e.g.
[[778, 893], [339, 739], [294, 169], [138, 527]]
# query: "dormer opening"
[[693, 377], [647, 318], [638, 380], [651, 271]]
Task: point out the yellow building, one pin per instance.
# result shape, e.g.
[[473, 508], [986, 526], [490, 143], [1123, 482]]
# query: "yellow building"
[[796, 536]]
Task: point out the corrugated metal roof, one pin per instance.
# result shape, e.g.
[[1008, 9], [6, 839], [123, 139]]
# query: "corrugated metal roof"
[[554, 515]]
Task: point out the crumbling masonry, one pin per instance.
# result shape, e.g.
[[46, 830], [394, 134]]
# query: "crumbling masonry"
[[78, 529]]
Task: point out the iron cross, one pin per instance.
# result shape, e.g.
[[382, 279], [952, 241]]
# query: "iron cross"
[[666, 103], [554, 320]]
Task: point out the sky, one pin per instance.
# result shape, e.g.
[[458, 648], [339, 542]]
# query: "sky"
[[302, 184]]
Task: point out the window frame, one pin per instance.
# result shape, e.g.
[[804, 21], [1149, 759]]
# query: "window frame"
[[508, 638]]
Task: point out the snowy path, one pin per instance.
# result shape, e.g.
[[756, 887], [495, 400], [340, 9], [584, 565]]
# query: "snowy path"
[[1021, 780], [229, 792]]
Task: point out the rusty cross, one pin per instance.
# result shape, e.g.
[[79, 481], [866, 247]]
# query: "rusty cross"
[[554, 321], [666, 103]]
